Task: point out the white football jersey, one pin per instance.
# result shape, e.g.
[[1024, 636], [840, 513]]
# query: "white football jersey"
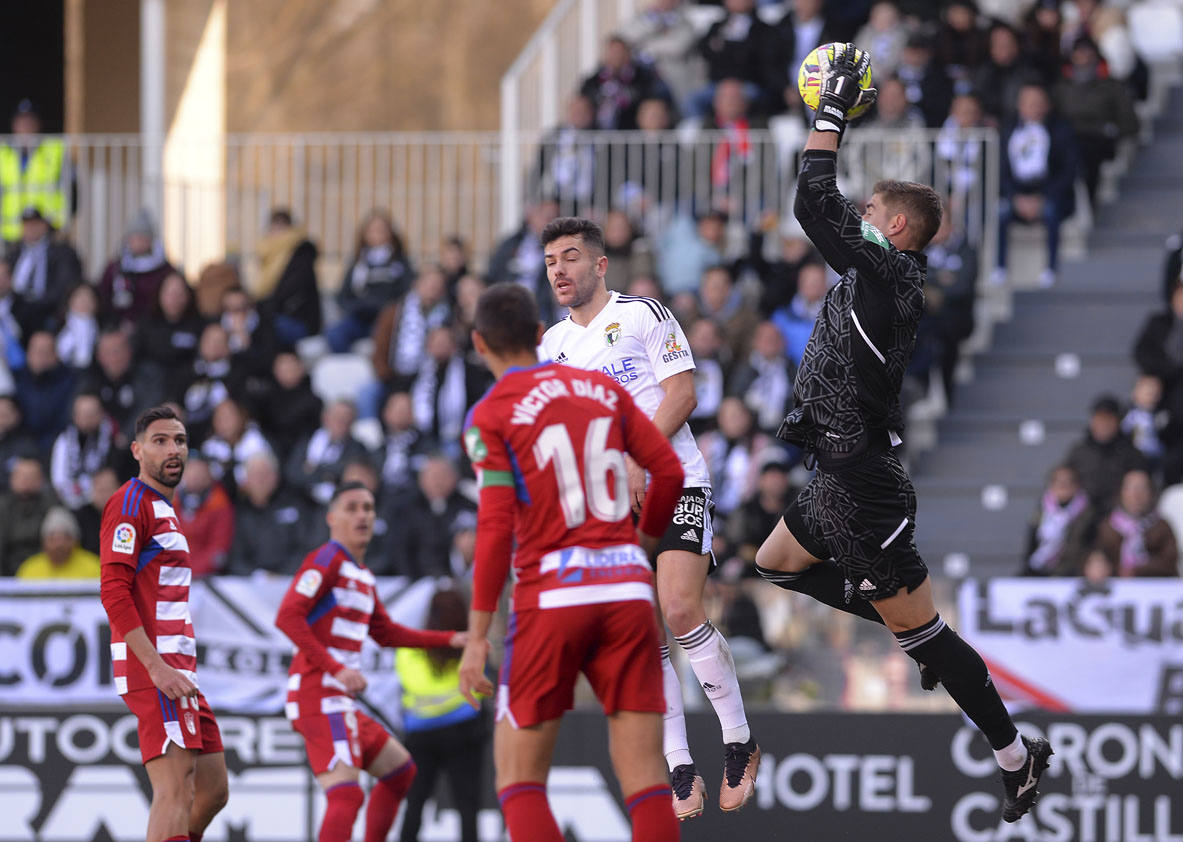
[[637, 342]]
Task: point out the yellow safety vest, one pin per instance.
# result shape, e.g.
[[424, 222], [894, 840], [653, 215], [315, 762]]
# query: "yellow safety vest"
[[39, 185], [427, 695]]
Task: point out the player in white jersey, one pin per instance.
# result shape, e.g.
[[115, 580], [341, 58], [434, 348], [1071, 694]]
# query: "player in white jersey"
[[639, 343]]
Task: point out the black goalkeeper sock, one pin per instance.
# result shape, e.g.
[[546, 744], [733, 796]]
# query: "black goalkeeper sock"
[[826, 583], [964, 674]]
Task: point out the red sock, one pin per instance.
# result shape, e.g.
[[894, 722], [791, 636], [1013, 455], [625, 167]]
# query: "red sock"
[[652, 814], [527, 814], [385, 797], [344, 801]]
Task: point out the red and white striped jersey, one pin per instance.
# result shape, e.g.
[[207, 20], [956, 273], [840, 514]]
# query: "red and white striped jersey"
[[145, 582], [329, 609]]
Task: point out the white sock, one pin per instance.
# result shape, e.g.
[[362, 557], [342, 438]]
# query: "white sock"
[[1012, 758], [710, 658], [674, 742]]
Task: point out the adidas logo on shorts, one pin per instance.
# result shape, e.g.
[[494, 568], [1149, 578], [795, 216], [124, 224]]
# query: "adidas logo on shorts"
[[689, 535], [865, 585]]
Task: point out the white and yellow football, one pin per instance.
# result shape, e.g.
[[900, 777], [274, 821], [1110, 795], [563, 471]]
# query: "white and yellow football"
[[809, 77]]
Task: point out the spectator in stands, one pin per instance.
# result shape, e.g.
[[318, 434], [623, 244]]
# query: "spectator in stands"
[[720, 299], [950, 292], [400, 338], [618, 85], [997, 80], [1158, 351], [707, 346], [443, 733], [12, 353], [25, 504], [926, 85], [287, 289], [569, 158], [742, 46], [1135, 540], [629, 252], [1038, 176], [252, 339], [290, 409], [454, 260], [795, 319], [686, 249], [81, 450], [125, 389], [315, 465], [130, 283], [379, 274], [79, 328], [1146, 420], [1172, 266], [778, 277], [404, 449], [732, 452], [212, 281], [44, 270], [892, 108], [518, 257], [763, 380], [1041, 32], [644, 171], [1099, 109], [44, 388], [235, 438], [753, 521], [167, 339], [34, 172], [663, 35], [1104, 455], [61, 557], [468, 291], [272, 523], [424, 546], [210, 381], [962, 43], [961, 153], [103, 484], [15, 442], [447, 385], [739, 165], [1105, 25], [1062, 527], [206, 516], [884, 36]]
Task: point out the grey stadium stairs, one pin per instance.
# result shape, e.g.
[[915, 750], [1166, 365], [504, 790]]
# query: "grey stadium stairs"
[[1031, 389]]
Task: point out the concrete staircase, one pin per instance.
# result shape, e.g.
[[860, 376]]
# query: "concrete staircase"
[[1031, 388]]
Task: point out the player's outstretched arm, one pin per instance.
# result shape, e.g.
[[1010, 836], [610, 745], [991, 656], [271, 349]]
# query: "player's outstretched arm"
[[386, 632]]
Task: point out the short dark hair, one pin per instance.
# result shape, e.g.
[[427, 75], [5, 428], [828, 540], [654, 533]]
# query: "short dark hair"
[[346, 487], [281, 216], [148, 417], [919, 202], [507, 318], [574, 226]]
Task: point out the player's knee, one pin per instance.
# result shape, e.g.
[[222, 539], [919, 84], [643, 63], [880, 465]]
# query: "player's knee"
[[683, 615], [214, 797]]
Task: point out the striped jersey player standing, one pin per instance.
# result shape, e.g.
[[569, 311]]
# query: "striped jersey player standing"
[[638, 342], [330, 607], [145, 591]]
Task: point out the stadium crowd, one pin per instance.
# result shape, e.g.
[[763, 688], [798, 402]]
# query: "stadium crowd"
[[82, 356]]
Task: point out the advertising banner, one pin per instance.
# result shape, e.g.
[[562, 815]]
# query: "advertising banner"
[[1068, 645], [75, 777], [55, 643]]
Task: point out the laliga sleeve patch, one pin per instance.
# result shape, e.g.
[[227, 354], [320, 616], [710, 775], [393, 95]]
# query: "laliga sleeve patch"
[[475, 445], [124, 540], [309, 583]]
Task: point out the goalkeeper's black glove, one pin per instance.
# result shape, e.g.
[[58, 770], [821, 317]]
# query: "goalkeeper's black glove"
[[840, 91]]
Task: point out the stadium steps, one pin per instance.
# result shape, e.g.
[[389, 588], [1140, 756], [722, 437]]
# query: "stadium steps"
[[1027, 401]]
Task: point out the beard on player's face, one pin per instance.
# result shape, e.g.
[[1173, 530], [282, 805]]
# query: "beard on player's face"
[[168, 472]]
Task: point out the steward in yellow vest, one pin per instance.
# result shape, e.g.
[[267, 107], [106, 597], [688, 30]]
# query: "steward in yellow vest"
[[32, 174]]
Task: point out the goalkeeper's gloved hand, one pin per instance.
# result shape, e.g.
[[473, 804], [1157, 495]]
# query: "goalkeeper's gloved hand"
[[840, 91]]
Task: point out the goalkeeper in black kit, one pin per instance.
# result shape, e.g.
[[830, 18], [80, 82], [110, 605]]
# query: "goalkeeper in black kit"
[[847, 540]]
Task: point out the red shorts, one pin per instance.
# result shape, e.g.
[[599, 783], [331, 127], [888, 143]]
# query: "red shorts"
[[187, 722], [614, 644], [350, 737]]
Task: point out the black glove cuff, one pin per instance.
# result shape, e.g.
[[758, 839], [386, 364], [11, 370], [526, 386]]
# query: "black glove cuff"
[[830, 117]]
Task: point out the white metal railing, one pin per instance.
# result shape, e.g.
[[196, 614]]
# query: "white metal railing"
[[439, 184], [565, 47]]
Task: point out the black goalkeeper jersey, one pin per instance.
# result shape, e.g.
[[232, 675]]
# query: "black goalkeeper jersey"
[[848, 384]]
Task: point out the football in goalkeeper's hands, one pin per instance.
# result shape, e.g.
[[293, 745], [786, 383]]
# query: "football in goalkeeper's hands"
[[809, 78]]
